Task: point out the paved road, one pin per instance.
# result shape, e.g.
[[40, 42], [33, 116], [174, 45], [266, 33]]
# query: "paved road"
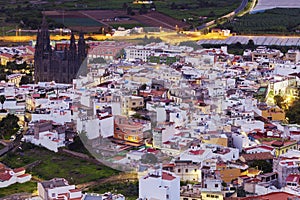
[[239, 9], [12, 145]]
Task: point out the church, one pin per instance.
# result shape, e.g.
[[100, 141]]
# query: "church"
[[60, 66]]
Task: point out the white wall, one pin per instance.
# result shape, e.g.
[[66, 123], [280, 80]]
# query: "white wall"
[[106, 127], [57, 117]]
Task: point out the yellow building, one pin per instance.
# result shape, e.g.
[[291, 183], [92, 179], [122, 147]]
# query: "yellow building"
[[190, 197], [205, 108], [211, 195], [130, 103], [228, 174], [273, 113], [282, 147], [127, 130], [5, 58], [215, 139]]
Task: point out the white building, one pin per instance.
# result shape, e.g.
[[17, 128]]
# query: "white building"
[[137, 52], [159, 185], [241, 141], [162, 133], [9, 176], [48, 139], [58, 188], [95, 127]]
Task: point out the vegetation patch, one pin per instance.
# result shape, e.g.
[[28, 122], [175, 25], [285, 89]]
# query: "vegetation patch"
[[28, 187], [275, 21], [51, 165]]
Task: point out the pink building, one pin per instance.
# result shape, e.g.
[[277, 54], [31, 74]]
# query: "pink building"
[[106, 49]]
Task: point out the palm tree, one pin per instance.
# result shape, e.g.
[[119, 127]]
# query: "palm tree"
[[2, 100]]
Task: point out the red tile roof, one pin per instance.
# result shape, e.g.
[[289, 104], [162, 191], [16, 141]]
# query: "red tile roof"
[[293, 178], [258, 156], [23, 175], [273, 196], [167, 176], [19, 169], [197, 152], [5, 176]]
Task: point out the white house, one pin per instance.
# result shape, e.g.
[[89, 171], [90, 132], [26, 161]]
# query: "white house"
[[58, 188], [159, 185], [9, 176], [96, 126]]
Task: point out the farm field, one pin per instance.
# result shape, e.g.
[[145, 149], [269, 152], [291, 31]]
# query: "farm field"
[[28, 14], [275, 21], [114, 18]]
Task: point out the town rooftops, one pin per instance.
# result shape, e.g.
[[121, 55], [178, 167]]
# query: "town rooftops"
[[273, 196], [257, 156], [164, 175]]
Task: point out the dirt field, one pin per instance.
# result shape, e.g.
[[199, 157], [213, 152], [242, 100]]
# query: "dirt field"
[[110, 17]]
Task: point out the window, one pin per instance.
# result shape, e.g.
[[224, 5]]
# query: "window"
[[195, 170], [208, 195], [133, 103], [205, 185], [167, 196], [216, 185], [186, 170], [179, 170]]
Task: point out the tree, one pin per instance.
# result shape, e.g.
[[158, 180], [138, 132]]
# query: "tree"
[[9, 126], [250, 44], [129, 10], [279, 101], [293, 113], [149, 158], [125, 6], [26, 80], [143, 10], [173, 6], [2, 100], [211, 14], [152, 6], [263, 165], [143, 87]]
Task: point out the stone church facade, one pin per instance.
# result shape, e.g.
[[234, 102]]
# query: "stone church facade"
[[53, 65]]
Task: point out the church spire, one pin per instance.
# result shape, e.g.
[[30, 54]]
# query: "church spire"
[[43, 38], [81, 48], [72, 48]]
